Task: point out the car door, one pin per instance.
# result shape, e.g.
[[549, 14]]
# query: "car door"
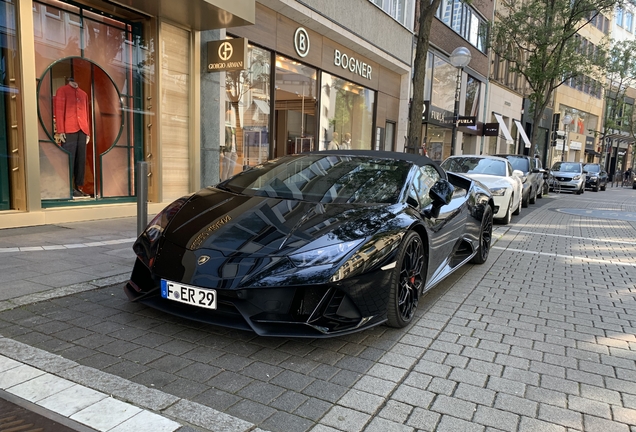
[[444, 229]]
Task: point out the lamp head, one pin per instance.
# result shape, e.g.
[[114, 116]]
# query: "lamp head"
[[460, 57], [567, 119]]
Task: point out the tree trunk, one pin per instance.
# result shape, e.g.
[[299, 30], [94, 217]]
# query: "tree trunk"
[[427, 11]]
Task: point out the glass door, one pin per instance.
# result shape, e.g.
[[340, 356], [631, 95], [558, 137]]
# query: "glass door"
[[295, 107]]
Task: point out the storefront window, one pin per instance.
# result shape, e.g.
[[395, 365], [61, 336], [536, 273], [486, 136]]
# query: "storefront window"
[[247, 113], [296, 101], [445, 79], [346, 114], [91, 70], [10, 150], [438, 142]]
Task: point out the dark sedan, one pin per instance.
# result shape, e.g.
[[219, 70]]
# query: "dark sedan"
[[313, 245], [596, 177]]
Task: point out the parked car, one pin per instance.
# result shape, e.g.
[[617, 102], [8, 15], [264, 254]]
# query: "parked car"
[[570, 175], [533, 176], [313, 245], [596, 177], [496, 174]]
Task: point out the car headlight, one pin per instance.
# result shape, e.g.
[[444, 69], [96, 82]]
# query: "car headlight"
[[146, 245], [501, 191], [324, 255], [576, 177]]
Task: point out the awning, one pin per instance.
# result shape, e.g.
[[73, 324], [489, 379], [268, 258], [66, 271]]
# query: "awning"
[[524, 137], [262, 105], [503, 128], [592, 152], [198, 14]]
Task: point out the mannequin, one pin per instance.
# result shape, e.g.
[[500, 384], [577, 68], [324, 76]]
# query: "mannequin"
[[72, 130]]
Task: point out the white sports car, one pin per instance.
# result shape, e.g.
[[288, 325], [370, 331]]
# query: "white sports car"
[[496, 173]]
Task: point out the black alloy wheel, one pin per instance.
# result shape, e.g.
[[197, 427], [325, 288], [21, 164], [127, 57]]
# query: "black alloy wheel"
[[407, 282], [485, 237]]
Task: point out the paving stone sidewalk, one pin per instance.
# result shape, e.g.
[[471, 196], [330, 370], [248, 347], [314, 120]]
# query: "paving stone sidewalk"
[[540, 338]]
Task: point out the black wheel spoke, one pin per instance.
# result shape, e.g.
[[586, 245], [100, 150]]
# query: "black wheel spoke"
[[410, 279]]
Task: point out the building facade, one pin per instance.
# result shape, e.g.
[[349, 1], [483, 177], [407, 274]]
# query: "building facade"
[[137, 72], [456, 24]]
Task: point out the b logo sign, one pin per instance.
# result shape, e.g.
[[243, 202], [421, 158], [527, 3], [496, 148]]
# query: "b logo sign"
[[301, 42]]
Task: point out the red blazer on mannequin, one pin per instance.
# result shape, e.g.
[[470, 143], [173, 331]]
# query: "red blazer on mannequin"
[[71, 110]]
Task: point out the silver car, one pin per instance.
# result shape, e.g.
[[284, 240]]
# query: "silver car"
[[570, 176]]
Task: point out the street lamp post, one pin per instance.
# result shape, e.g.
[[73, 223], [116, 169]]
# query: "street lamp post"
[[566, 122], [460, 57]]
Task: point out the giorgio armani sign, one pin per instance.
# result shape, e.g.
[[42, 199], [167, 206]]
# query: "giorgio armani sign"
[[227, 55]]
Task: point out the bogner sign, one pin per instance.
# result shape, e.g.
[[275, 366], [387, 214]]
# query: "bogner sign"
[[227, 55]]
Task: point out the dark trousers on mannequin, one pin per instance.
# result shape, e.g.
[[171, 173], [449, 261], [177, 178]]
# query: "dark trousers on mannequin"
[[76, 145]]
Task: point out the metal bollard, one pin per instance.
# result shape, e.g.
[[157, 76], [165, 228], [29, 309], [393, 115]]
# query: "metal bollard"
[[142, 196]]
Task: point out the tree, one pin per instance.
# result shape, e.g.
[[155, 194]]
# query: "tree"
[[427, 10], [540, 40], [621, 75]]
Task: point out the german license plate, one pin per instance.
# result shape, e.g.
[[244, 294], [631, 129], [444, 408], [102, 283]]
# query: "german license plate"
[[205, 298]]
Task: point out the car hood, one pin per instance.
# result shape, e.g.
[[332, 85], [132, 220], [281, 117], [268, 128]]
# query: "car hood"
[[568, 175], [492, 181], [234, 224]]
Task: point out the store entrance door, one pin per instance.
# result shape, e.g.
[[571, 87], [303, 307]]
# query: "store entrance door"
[[295, 107]]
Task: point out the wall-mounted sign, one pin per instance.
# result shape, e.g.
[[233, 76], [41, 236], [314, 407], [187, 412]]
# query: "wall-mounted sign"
[[301, 42], [227, 55], [435, 115], [352, 64], [466, 121], [491, 129], [575, 145]]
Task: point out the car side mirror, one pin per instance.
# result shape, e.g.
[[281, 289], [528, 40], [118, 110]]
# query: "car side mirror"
[[517, 173], [441, 193]]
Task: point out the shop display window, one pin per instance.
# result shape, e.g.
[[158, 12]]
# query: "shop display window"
[[247, 114], [91, 70], [346, 114]]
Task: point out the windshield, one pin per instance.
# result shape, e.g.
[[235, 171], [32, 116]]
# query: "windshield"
[[325, 179], [519, 163], [570, 167], [475, 165], [593, 168]]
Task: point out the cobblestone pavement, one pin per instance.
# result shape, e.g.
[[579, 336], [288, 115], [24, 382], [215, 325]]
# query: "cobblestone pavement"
[[540, 338]]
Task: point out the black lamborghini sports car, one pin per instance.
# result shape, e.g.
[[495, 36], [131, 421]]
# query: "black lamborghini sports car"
[[313, 245]]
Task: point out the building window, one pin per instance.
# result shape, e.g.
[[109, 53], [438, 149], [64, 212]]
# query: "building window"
[[629, 18], [619, 17], [402, 11], [346, 114], [247, 114], [465, 21]]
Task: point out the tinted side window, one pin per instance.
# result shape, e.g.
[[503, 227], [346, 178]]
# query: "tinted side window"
[[424, 179]]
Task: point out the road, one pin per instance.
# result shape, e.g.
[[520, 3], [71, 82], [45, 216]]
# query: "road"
[[540, 338]]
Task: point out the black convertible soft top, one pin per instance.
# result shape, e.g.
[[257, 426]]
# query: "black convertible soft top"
[[415, 159]]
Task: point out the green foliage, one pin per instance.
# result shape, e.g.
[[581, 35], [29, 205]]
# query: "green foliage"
[[621, 74], [540, 39]]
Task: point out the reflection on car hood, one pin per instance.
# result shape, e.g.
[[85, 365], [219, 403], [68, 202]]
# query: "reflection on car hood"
[[492, 181], [565, 174], [258, 226]]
